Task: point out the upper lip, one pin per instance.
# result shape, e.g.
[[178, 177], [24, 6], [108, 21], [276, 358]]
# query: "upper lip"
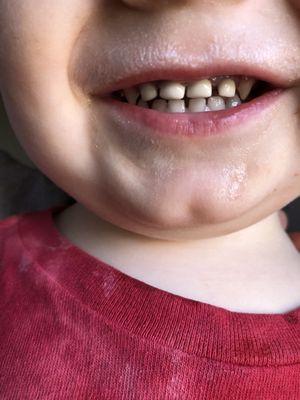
[[185, 73], [136, 67]]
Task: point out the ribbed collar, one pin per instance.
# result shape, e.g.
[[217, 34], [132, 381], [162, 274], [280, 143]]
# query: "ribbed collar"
[[166, 319]]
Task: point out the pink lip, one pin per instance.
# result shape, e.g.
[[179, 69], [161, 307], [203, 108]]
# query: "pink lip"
[[200, 124], [184, 73]]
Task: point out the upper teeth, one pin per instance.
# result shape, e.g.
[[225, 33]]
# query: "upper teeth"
[[227, 88], [172, 91], [131, 94], [198, 96], [148, 91], [199, 89], [245, 87]]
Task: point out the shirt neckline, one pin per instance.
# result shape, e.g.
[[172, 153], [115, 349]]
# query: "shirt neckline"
[[163, 318]]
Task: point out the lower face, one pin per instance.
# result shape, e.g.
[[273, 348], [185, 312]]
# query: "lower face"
[[161, 173]]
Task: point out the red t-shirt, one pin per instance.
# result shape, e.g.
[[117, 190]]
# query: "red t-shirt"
[[73, 327]]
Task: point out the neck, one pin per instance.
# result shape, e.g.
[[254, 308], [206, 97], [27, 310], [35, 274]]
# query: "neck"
[[256, 269]]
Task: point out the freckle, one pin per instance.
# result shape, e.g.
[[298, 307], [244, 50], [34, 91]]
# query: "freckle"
[[296, 174]]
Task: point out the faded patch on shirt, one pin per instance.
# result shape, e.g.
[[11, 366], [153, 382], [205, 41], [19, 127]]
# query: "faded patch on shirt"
[[109, 284], [24, 263], [176, 386]]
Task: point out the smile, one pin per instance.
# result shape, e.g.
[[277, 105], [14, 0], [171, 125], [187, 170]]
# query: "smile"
[[185, 101], [198, 108], [207, 94]]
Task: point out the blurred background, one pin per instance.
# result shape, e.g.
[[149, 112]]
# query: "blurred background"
[[23, 188]]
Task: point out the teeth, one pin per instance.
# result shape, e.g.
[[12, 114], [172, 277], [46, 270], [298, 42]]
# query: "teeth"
[[227, 88], [213, 94], [197, 105], [159, 105], [198, 89], [176, 106], [233, 101], [244, 87], [142, 103], [216, 103], [131, 95], [148, 91], [172, 91]]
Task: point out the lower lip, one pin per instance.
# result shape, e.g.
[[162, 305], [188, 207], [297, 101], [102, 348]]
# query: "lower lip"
[[199, 124]]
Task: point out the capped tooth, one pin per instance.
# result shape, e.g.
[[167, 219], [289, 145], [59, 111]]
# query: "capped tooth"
[[198, 89], [176, 106], [197, 105], [227, 88], [131, 95], [142, 103], [216, 103], [160, 105], [148, 91], [233, 101], [244, 87], [172, 91], [218, 79]]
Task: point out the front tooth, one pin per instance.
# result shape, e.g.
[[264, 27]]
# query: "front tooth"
[[148, 91], [198, 89], [131, 95], [142, 103], [176, 106], [197, 105], [244, 87], [160, 105], [233, 101], [172, 91], [227, 88], [216, 103]]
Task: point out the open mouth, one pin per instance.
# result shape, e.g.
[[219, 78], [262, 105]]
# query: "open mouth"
[[189, 103], [206, 94]]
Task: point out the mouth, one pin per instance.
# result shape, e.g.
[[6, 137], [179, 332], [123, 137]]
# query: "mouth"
[[209, 94], [202, 106]]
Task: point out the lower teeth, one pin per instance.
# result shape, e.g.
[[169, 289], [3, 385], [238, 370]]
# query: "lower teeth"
[[214, 103]]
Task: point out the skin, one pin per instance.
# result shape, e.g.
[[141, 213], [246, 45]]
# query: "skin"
[[165, 199]]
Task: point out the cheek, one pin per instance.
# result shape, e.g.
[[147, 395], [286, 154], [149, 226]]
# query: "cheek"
[[36, 42], [45, 115]]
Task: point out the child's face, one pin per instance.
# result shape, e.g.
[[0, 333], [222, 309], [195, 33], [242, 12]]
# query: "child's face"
[[55, 54]]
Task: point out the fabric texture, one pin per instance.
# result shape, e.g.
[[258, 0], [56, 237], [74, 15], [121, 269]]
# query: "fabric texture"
[[74, 327]]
